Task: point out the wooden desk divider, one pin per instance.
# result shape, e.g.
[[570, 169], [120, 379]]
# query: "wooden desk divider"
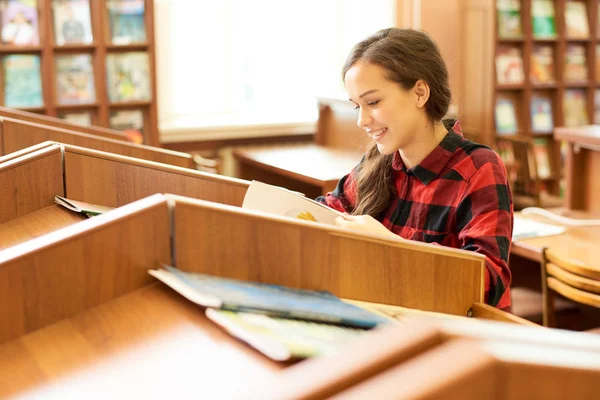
[[30, 182], [228, 241], [78, 267], [114, 180], [60, 123], [449, 359], [27, 150], [17, 134]]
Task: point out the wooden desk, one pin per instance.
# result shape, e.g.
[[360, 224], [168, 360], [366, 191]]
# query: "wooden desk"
[[578, 243], [449, 359], [582, 166], [36, 223], [308, 168], [147, 344]]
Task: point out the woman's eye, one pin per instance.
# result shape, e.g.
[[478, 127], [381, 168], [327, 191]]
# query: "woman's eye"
[[356, 106], [373, 103]]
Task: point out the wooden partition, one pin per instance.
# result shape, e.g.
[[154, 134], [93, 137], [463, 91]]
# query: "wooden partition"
[[449, 359], [17, 134], [237, 243], [59, 123], [30, 183], [113, 180], [73, 269]]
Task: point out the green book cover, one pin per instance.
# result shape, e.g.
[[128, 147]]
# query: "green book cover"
[[508, 14], [284, 339], [543, 19]]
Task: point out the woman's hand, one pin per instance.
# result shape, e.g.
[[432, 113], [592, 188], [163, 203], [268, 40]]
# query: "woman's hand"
[[364, 223]]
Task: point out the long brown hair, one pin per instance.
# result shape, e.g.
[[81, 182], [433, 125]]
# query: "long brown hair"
[[407, 55]]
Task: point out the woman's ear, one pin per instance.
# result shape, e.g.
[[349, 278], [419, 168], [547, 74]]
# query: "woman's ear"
[[421, 89]]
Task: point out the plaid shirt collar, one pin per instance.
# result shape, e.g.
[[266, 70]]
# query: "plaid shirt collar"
[[431, 166]]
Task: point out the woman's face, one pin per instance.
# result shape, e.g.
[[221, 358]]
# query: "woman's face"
[[389, 114]]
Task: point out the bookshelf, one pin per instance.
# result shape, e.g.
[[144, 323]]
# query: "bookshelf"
[[540, 66], [96, 62]]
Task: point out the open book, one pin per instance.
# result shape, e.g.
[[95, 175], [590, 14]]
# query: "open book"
[[527, 228], [80, 206], [274, 300], [283, 339], [277, 200]]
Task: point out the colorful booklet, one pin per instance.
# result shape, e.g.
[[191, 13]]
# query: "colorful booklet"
[[277, 200], [81, 207], [274, 300], [283, 339]]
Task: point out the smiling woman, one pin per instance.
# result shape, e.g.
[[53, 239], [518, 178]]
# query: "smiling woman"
[[420, 178]]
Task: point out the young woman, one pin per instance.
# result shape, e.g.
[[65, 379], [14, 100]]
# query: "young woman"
[[420, 179]]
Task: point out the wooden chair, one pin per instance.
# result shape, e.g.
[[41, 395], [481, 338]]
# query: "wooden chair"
[[569, 278]]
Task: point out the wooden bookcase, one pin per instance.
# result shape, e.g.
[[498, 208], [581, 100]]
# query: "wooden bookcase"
[[482, 43], [101, 46]]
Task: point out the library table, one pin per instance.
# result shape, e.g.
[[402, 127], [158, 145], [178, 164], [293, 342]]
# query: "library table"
[[149, 343], [307, 168]]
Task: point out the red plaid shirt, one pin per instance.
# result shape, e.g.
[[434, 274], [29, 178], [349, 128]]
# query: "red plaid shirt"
[[458, 196]]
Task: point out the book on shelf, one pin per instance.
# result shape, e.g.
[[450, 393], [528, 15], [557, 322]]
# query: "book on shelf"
[[81, 206], [20, 22], [506, 117], [128, 77], [277, 200], [283, 339], [262, 298], [543, 19], [509, 19], [541, 114], [575, 64], [79, 118], [130, 122], [505, 151], [126, 20], [22, 81], [542, 64], [72, 22], [542, 159], [509, 65], [75, 79], [574, 108], [576, 20]]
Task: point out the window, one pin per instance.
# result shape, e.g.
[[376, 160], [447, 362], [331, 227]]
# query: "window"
[[255, 62]]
